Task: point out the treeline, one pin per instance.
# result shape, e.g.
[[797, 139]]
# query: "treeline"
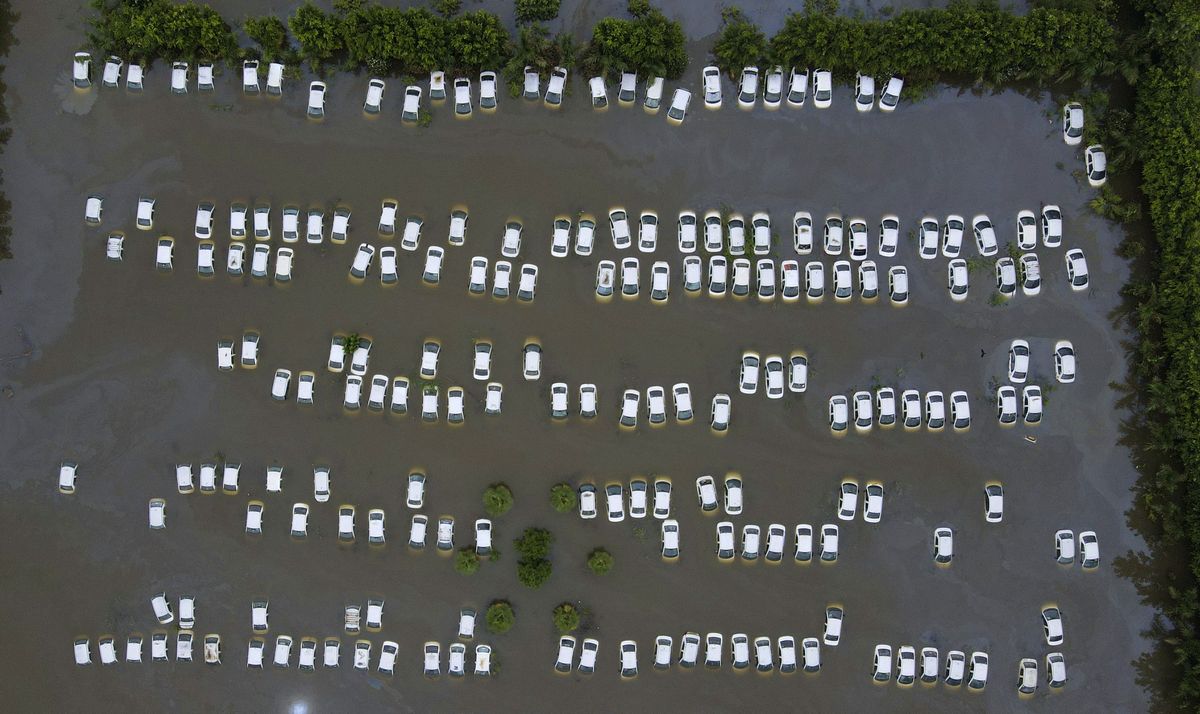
[[1166, 363], [964, 42], [386, 40]]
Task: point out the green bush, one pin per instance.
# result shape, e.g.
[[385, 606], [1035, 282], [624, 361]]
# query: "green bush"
[[318, 32], [600, 561], [271, 35], [740, 44], [649, 44], [466, 561], [566, 618], [497, 499], [534, 572], [534, 543], [562, 498], [537, 10], [500, 617], [159, 29]]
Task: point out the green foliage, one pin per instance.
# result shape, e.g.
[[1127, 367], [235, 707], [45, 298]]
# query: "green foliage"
[[353, 340], [1114, 207], [534, 543], [466, 561], [152, 29], [500, 617], [600, 561], [650, 44], [271, 35], [477, 41], [537, 10], [740, 44], [562, 497], [318, 32], [566, 618], [533, 572], [448, 8], [497, 499]]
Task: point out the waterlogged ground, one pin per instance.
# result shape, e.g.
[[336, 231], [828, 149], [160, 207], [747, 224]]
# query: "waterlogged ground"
[[122, 378]]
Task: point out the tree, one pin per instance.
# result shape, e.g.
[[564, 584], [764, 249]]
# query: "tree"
[[600, 561], [477, 41], [566, 618], [534, 543], [537, 10], [740, 44], [649, 44], [271, 35], [497, 499], [534, 572], [318, 34], [448, 8], [466, 561], [562, 497], [500, 617]]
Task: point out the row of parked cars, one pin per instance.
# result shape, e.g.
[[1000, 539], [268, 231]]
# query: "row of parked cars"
[[230, 471], [782, 656], [386, 663], [159, 648], [206, 258], [741, 278]]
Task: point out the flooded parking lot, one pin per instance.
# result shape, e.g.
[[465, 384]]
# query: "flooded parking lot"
[[122, 379]]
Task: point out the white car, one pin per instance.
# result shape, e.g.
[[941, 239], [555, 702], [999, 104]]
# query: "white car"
[[663, 647], [655, 405], [164, 253], [847, 500], [681, 395], [378, 393], [556, 86], [873, 503], [249, 351], [760, 224], [314, 227], [1018, 361], [587, 501], [721, 407], [834, 230], [736, 228], [183, 478], [706, 493], [713, 642], [680, 100], [179, 72], [891, 94], [858, 239], [686, 229], [789, 280], [558, 400], [341, 225], [566, 653], [662, 498], [811, 647], [1064, 361], [1026, 230], [834, 616], [501, 279], [1030, 271], [585, 236], [283, 264], [842, 282], [802, 235], [411, 109], [462, 96], [1056, 670], [1052, 226], [260, 257], [204, 258], [280, 385], [733, 495], [927, 238], [81, 69], [1006, 404], [477, 284], [629, 277], [979, 671], [432, 273], [532, 88], [352, 395], [822, 88], [361, 357], [1089, 550], [725, 546], [993, 503], [1077, 269], [614, 498], [741, 277], [487, 90], [1052, 626], [114, 249], [92, 209], [418, 531], [935, 411], [628, 659], [864, 92], [510, 243], [689, 650], [868, 280], [718, 275], [637, 498], [316, 100], [1072, 124], [797, 87], [454, 405], [618, 223], [839, 413], [527, 284], [898, 284], [960, 410], [1031, 404], [531, 363], [943, 545], [412, 233], [958, 279], [162, 609], [660, 281], [776, 534], [748, 377], [889, 235], [882, 670], [560, 241], [985, 235], [587, 658], [599, 92], [346, 523], [773, 87], [773, 368], [712, 86], [387, 657], [1096, 165], [587, 401], [713, 236], [814, 280], [670, 539], [829, 542], [483, 537], [748, 87], [739, 645], [952, 235]]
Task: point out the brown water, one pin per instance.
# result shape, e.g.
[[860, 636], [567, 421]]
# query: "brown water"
[[122, 379]]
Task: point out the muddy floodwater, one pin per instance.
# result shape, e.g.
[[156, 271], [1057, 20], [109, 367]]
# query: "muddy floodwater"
[[121, 377]]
